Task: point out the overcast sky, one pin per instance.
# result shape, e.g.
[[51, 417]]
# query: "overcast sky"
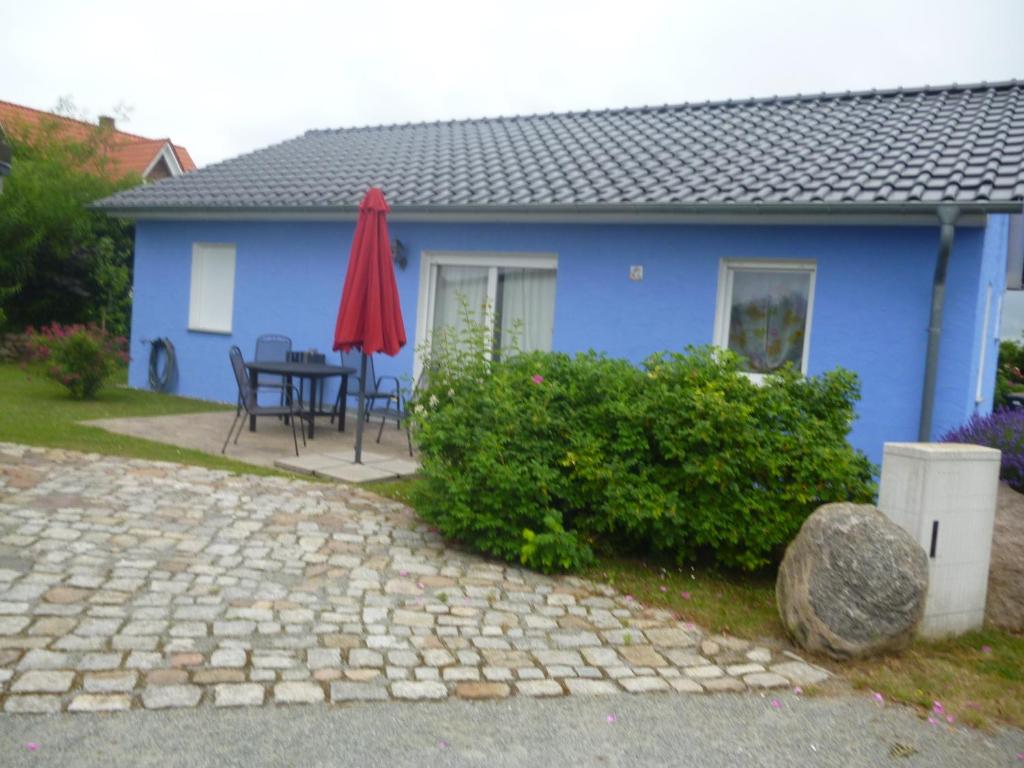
[[223, 78]]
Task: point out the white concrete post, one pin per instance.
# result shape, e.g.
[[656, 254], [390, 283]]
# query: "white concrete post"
[[944, 495]]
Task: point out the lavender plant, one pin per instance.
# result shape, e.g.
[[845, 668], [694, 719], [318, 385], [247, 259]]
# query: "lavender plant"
[[1002, 429]]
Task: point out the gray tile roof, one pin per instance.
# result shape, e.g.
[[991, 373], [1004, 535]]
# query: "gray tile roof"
[[962, 144]]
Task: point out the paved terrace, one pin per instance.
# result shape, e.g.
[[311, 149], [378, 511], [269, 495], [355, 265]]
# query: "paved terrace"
[[137, 584], [329, 454]]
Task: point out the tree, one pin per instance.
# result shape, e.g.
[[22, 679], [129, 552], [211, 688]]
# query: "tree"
[[59, 260]]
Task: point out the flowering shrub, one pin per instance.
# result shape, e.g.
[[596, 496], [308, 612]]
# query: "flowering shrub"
[[1002, 429], [540, 457], [79, 357], [1009, 372]]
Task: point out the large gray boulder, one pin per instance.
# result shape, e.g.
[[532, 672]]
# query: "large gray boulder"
[[852, 583]]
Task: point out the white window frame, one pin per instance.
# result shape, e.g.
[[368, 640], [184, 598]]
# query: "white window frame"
[[430, 261], [198, 287], [986, 339], [723, 312]]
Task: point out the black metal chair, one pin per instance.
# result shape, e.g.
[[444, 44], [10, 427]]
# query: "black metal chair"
[[400, 411], [376, 390], [271, 347], [247, 398]]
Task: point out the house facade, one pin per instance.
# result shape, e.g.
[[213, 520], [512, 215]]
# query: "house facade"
[[867, 231]]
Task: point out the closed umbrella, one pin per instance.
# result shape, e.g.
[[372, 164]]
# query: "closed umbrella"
[[369, 316]]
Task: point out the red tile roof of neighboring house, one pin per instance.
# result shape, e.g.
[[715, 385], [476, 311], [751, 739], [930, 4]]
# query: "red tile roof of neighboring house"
[[129, 153]]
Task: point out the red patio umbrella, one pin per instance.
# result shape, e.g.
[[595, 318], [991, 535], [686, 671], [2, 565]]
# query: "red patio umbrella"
[[369, 316]]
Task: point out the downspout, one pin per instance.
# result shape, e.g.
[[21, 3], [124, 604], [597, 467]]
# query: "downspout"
[[947, 218]]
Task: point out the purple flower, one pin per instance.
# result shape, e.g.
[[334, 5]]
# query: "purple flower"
[[1003, 429]]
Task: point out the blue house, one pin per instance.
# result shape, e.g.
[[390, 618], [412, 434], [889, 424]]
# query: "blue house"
[[862, 230]]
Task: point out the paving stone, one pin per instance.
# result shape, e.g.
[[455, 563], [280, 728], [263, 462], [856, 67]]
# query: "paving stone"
[[171, 696], [223, 675], [759, 655], [670, 637], [110, 682], [12, 625], [99, 661], [228, 657], [166, 677], [482, 690], [362, 657], [644, 684], [579, 687], [765, 680], [424, 689], [686, 685], [799, 673], [539, 688], [41, 659], [33, 704], [739, 670], [97, 702], [343, 690], [322, 658], [43, 681], [703, 673], [298, 693], [642, 656], [238, 695]]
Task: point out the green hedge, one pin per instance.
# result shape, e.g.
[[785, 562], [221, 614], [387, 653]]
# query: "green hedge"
[[540, 456]]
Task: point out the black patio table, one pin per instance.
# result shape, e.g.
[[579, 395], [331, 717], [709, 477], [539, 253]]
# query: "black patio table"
[[314, 373]]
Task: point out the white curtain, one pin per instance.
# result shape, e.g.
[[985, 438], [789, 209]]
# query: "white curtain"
[[456, 284], [769, 317], [526, 308]]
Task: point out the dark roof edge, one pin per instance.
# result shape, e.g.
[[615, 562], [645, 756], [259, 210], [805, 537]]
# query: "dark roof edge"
[[734, 102], [752, 209]]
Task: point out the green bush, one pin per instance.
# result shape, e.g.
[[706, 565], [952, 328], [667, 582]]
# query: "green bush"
[[539, 457], [1009, 372], [79, 357]]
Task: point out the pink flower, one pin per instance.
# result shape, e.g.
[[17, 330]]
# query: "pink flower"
[[684, 595], [776, 704], [932, 720], [442, 744], [950, 719], [879, 699], [937, 707], [537, 379], [403, 573], [1020, 756], [421, 585], [629, 598], [689, 626], [664, 588], [31, 746], [986, 649], [798, 691], [612, 718]]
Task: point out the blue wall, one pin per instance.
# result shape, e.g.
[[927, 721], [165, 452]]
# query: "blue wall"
[[873, 291]]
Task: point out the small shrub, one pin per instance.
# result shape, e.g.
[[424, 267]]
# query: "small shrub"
[[79, 357], [1009, 372], [1002, 429], [537, 457]]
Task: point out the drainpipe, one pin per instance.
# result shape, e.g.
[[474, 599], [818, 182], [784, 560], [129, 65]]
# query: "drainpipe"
[[947, 218]]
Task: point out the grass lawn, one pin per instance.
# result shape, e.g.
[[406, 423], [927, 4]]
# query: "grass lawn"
[[37, 411], [978, 678]]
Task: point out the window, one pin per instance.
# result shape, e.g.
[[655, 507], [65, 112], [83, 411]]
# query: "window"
[[518, 288], [213, 287], [764, 312]]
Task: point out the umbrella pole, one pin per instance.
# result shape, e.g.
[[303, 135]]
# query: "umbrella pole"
[[362, 406]]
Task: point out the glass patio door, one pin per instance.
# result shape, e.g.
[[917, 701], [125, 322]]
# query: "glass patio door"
[[519, 291]]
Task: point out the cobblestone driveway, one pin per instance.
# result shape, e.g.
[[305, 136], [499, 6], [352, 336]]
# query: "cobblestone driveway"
[[128, 583]]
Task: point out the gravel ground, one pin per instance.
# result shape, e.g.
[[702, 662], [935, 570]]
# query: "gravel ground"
[[723, 730], [1005, 605]]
